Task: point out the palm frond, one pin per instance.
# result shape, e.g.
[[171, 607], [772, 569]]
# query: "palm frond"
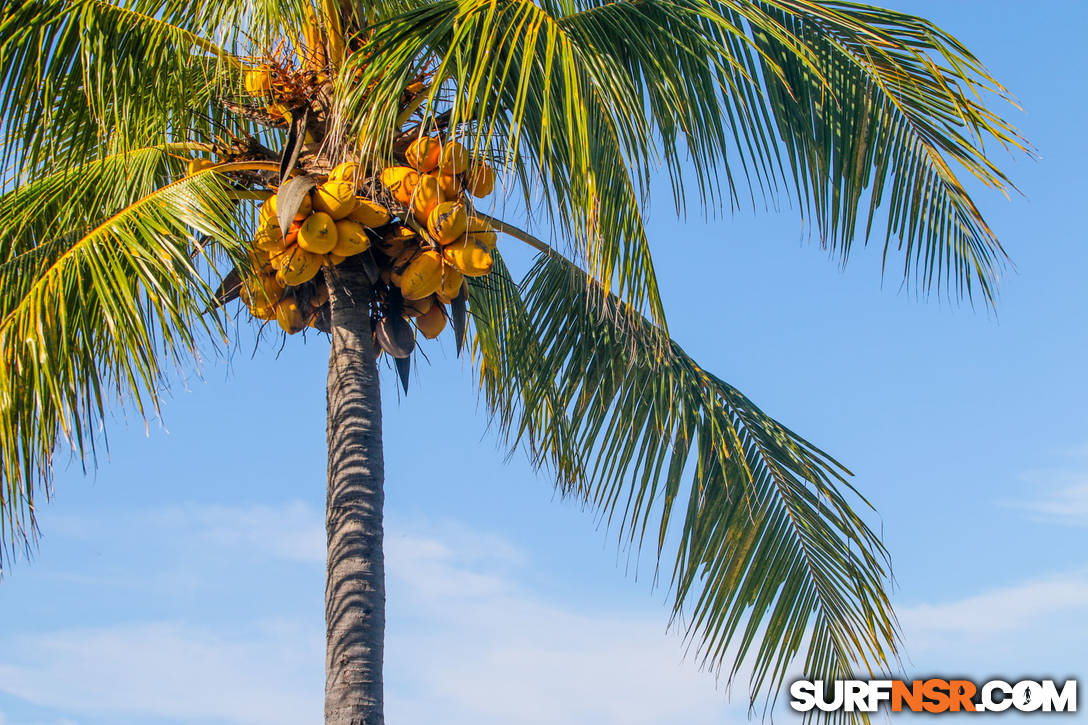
[[839, 106], [506, 346], [63, 200], [898, 121], [97, 317], [771, 560], [521, 90], [78, 73], [244, 27]]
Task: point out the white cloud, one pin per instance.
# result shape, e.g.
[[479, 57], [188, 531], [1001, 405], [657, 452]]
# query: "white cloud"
[[292, 531], [467, 641], [1056, 496], [168, 669], [491, 652], [62, 721], [1066, 505], [992, 615]]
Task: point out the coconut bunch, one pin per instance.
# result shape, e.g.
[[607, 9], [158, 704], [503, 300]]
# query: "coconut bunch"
[[329, 226], [413, 225], [294, 307], [440, 241], [437, 240]]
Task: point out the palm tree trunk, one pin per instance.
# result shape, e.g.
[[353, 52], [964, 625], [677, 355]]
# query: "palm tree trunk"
[[355, 584]]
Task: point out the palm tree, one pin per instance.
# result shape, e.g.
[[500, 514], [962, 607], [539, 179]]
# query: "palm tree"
[[140, 135]]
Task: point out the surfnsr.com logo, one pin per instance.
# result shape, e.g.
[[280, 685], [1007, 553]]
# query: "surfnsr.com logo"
[[934, 696]]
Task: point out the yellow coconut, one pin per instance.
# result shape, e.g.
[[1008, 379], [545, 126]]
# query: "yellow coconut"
[[482, 232], [481, 181], [268, 237], [266, 270], [451, 283], [470, 258], [424, 154], [302, 266], [199, 164], [280, 257], [401, 263], [333, 259], [305, 208], [258, 81], [262, 290], [260, 262], [266, 213], [289, 315], [263, 310], [318, 233], [335, 198], [401, 182], [351, 238], [369, 213], [447, 222], [427, 197], [415, 308], [455, 158], [344, 172], [450, 186], [270, 288], [422, 277], [291, 235], [432, 322]]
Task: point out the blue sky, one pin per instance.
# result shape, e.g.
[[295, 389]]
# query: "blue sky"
[[182, 583]]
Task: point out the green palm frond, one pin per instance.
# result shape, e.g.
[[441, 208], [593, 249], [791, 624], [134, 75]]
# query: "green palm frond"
[[529, 96], [61, 201], [840, 106], [97, 317], [900, 120], [245, 27], [76, 73], [527, 407], [771, 559]]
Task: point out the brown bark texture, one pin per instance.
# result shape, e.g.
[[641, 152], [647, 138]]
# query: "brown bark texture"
[[355, 584]]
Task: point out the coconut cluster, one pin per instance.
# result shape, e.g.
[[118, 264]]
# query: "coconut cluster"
[[451, 243], [330, 225], [414, 223]]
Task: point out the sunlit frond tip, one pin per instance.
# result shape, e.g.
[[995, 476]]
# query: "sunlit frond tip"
[[895, 124]]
